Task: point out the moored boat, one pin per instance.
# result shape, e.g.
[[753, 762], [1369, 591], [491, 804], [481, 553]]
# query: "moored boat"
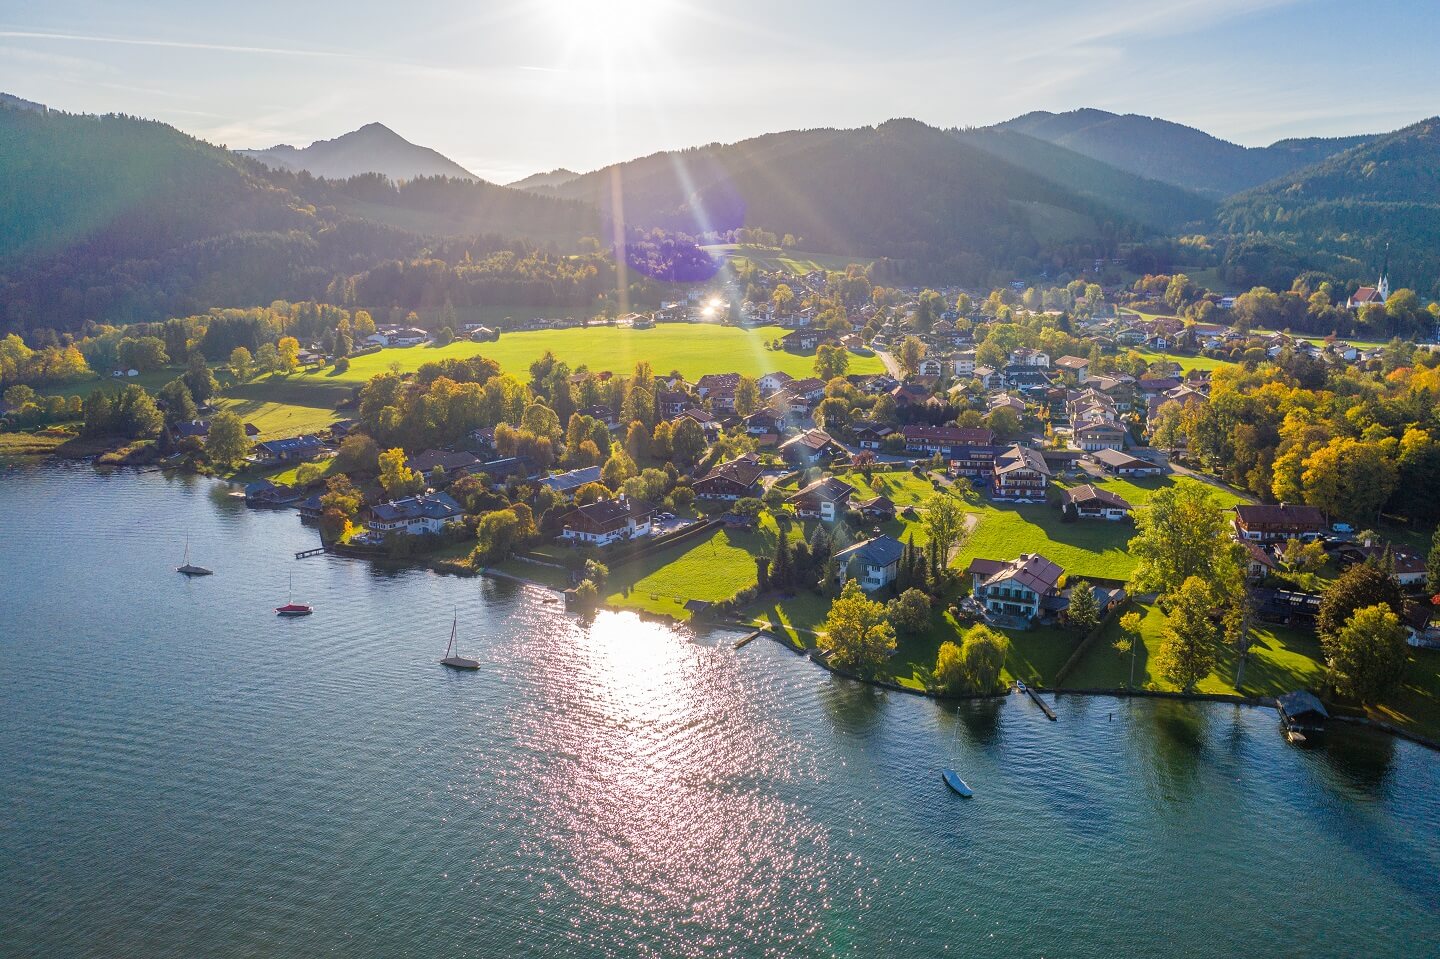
[[953, 780], [453, 659], [292, 608], [189, 568]]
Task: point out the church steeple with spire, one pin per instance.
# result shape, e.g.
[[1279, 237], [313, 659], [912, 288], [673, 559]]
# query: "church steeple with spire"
[[1382, 289]]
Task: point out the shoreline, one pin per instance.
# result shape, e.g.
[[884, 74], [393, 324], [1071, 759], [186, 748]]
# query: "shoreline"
[[452, 567]]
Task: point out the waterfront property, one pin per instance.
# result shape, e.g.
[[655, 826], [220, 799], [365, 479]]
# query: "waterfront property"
[[608, 521], [292, 449], [1017, 587], [425, 513], [874, 562]]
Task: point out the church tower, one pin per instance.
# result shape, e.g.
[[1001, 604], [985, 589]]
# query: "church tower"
[[1382, 289]]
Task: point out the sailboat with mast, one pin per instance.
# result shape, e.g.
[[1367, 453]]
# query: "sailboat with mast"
[[453, 659], [189, 568], [292, 608]]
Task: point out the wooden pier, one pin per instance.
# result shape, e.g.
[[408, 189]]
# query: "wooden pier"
[[749, 638], [1044, 706], [304, 553]]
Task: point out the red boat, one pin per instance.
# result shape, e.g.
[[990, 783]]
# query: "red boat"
[[293, 608]]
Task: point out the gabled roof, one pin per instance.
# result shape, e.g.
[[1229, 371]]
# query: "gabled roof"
[[564, 482], [425, 506], [829, 488], [1082, 495], [1030, 570], [951, 435], [448, 460], [745, 470], [813, 440], [1117, 460], [880, 551], [1021, 457], [1280, 514]]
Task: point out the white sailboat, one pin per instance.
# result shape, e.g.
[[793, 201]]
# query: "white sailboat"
[[189, 569], [453, 659]]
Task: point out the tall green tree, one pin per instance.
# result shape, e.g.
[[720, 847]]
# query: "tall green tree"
[[857, 635], [226, 444], [1083, 614], [1181, 532], [1367, 656], [1188, 650], [1361, 586]]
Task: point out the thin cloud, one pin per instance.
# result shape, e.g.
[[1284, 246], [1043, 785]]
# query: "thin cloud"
[[174, 44]]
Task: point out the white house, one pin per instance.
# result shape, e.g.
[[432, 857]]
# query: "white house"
[[1092, 503], [1016, 588], [875, 562], [608, 521], [427, 513]]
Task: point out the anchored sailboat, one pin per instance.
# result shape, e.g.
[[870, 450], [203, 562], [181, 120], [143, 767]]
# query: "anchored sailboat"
[[292, 608], [453, 659], [189, 569]]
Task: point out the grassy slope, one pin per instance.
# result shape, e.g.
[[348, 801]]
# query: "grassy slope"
[[305, 402], [794, 262]]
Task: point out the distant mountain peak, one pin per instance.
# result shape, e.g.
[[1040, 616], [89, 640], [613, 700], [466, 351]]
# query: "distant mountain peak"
[[373, 148], [545, 181]]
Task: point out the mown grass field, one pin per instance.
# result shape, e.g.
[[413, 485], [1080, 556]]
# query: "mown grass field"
[[305, 401], [775, 259]]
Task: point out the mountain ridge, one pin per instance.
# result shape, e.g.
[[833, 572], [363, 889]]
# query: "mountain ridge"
[[372, 148], [1174, 153]]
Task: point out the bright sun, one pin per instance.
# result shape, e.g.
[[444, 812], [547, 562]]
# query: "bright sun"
[[607, 22]]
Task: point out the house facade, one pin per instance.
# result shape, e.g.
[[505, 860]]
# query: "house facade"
[[1018, 587], [1100, 436], [1092, 503], [1020, 474], [1273, 523], [608, 521], [730, 481], [427, 513], [825, 499], [874, 563]]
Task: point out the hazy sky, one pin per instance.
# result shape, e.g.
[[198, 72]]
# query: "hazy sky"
[[508, 88]]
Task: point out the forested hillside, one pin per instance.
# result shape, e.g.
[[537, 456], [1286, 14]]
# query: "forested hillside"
[[1172, 152], [116, 219], [1341, 213], [901, 190]]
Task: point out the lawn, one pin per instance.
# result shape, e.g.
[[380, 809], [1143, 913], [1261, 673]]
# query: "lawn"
[[1185, 362], [903, 488], [1282, 659], [1087, 548], [1035, 654], [712, 568], [789, 261], [692, 348]]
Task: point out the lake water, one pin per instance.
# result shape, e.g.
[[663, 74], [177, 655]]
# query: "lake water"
[[184, 774]]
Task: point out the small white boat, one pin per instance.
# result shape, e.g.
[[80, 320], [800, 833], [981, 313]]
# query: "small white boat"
[[953, 780], [453, 659]]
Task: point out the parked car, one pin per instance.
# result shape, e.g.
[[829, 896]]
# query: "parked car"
[[1342, 528]]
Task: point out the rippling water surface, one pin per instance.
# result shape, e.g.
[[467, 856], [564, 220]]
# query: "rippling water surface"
[[184, 774]]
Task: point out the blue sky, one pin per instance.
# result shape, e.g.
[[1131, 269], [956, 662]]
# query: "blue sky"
[[509, 88]]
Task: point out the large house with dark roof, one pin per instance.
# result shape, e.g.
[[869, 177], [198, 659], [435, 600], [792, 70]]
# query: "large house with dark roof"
[[945, 439], [824, 499], [1123, 464], [1090, 502], [427, 513], [732, 480], [1019, 587], [294, 449], [1275, 522], [607, 521], [453, 462]]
